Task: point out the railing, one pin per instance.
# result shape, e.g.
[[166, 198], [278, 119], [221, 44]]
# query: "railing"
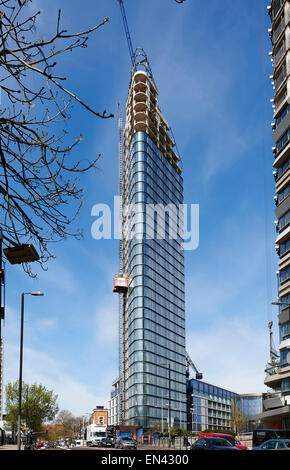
[[272, 370], [280, 53], [280, 101], [269, 395], [278, 30], [281, 78], [277, 8], [140, 81]]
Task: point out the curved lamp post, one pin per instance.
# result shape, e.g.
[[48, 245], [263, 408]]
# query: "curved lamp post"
[[20, 364]]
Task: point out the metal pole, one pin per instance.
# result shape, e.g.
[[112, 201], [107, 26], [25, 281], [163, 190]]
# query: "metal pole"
[[1, 343], [20, 374], [162, 427], [192, 420], [169, 410]]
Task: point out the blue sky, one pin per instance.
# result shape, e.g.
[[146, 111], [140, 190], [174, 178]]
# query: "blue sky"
[[211, 66]]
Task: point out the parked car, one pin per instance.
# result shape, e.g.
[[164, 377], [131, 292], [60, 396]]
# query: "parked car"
[[232, 439], [106, 442], [126, 443], [212, 443], [94, 443], [274, 444], [262, 435]]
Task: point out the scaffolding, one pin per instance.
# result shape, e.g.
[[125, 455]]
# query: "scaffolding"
[[120, 283]]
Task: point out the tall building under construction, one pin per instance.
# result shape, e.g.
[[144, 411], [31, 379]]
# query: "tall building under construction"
[[151, 387]]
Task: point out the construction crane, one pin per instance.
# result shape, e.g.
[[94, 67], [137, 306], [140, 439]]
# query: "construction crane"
[[189, 362], [126, 27], [274, 355]]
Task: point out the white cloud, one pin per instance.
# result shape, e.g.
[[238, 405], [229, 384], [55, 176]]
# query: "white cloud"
[[231, 353], [42, 368], [107, 321], [61, 276]]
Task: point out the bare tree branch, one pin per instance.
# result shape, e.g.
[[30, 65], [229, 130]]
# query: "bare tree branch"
[[40, 194]]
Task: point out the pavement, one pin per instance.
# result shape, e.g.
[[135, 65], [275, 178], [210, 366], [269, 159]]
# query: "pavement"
[[9, 447]]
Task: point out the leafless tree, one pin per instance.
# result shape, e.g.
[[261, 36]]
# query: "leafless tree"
[[40, 194]]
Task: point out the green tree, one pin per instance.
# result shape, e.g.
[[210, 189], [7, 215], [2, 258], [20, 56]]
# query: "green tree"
[[177, 432], [239, 421], [39, 405], [69, 424]]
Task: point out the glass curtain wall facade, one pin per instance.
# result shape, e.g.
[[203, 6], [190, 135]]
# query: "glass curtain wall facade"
[[250, 405], [154, 319], [208, 406]]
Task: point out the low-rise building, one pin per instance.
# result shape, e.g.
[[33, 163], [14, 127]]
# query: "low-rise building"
[[212, 407], [208, 406], [114, 405], [98, 423], [250, 405]]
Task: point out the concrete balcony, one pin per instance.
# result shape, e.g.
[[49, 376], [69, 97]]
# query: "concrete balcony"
[[272, 403], [284, 289], [273, 381], [274, 414], [280, 99], [285, 344], [139, 106], [141, 116], [282, 155], [140, 126], [140, 86], [140, 96]]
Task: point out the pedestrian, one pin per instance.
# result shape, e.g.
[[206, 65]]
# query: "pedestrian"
[[185, 442]]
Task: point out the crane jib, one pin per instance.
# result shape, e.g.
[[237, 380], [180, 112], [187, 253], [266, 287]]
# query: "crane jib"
[[125, 22]]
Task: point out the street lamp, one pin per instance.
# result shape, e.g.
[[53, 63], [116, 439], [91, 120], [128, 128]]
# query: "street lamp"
[[21, 362], [15, 254]]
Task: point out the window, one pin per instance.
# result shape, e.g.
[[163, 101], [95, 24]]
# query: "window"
[[284, 139], [283, 194], [284, 275], [101, 420], [200, 442], [284, 330], [284, 220], [270, 445], [283, 168], [223, 443], [282, 114], [284, 247]]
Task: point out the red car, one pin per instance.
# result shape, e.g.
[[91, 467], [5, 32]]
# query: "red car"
[[229, 437]]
